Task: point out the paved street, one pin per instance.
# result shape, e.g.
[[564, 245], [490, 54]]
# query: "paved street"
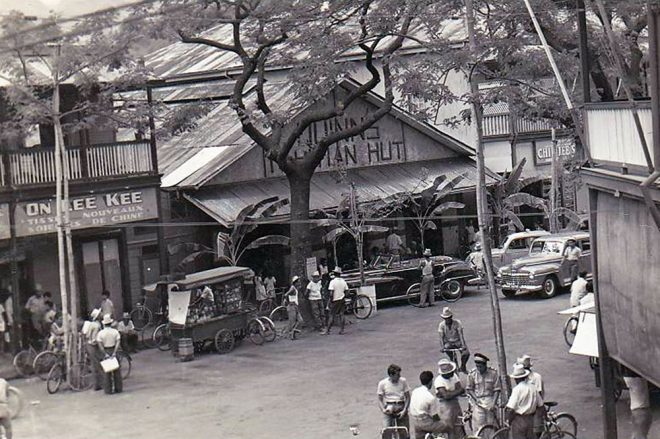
[[314, 387]]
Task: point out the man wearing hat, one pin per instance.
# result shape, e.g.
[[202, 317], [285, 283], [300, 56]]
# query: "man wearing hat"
[[451, 336], [315, 298], [522, 405], [108, 341], [572, 255], [448, 388], [337, 288], [536, 380], [129, 337], [90, 330], [292, 310], [484, 388], [426, 286]]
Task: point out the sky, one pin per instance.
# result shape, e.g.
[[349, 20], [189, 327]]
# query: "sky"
[[66, 8]]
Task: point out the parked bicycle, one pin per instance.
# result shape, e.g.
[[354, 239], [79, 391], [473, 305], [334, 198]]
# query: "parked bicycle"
[[570, 329], [79, 377], [449, 290], [24, 359], [555, 426], [142, 316]]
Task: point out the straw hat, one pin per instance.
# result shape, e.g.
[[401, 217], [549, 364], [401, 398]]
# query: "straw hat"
[[337, 270], [427, 252], [107, 319], [446, 313], [445, 366], [519, 371], [294, 279], [525, 360], [95, 313], [315, 274]]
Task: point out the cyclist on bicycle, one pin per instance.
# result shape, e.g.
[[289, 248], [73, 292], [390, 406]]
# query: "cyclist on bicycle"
[[451, 335], [393, 398], [484, 388]]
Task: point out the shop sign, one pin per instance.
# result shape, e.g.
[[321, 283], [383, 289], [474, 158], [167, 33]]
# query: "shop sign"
[[5, 225], [98, 210], [543, 151]]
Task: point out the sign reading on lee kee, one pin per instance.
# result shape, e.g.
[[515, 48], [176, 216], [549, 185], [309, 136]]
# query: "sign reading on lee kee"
[[98, 210]]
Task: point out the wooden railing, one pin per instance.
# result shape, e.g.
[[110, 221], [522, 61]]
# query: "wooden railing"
[[35, 167], [500, 125]]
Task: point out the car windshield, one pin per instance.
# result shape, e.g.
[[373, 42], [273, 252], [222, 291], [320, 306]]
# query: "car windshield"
[[546, 247]]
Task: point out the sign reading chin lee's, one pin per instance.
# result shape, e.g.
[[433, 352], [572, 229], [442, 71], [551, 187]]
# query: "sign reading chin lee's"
[[98, 210]]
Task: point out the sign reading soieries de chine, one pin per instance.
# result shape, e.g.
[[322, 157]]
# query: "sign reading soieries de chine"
[[97, 210]]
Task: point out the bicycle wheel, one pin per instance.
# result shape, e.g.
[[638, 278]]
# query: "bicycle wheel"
[[23, 363], [15, 401], [556, 434], [362, 306], [487, 432], [266, 307], [141, 317], [451, 290], [502, 433], [570, 328], [55, 378], [270, 333], [566, 423], [413, 294], [161, 337], [256, 331], [125, 364], [81, 377], [279, 314], [43, 362]]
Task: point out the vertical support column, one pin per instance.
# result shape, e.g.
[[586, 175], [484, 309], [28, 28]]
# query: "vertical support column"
[[160, 232], [16, 330], [604, 360]]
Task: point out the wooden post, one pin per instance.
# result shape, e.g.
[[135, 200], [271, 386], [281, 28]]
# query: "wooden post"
[[553, 184], [483, 216]]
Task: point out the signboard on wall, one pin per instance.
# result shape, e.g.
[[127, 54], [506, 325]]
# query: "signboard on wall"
[[97, 210], [565, 149], [5, 224]]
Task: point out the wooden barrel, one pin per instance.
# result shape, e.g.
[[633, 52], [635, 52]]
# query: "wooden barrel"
[[186, 349]]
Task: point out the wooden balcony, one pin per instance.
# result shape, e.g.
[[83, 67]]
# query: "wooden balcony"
[[499, 125], [612, 135], [91, 163]]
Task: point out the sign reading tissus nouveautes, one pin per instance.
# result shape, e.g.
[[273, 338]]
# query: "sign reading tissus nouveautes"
[[97, 210]]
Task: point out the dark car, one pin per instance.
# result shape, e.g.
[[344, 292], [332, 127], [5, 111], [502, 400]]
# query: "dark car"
[[393, 278]]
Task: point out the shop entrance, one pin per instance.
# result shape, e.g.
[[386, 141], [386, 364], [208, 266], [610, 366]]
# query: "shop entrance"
[[102, 271]]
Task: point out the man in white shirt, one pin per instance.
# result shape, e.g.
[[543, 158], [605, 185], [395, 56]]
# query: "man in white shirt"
[[448, 388], [572, 255], [108, 341], [579, 289], [536, 380], [394, 398], [337, 288], [424, 408], [90, 330], [394, 243], [292, 309], [315, 299], [129, 336], [522, 405]]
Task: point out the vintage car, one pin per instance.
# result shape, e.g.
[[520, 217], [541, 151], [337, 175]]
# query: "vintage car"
[[393, 277], [515, 246], [544, 270]]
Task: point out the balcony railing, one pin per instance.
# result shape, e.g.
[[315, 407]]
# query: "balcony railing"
[[495, 125], [35, 167]]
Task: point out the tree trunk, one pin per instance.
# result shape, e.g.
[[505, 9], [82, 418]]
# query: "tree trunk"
[[299, 228]]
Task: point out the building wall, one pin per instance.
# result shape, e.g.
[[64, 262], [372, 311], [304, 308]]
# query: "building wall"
[[628, 284]]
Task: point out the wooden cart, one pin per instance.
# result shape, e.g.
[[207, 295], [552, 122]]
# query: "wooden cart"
[[224, 331]]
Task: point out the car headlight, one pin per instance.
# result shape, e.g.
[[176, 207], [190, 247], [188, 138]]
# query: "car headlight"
[[531, 275]]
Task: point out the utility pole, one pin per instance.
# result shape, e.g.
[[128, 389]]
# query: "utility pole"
[[483, 215], [553, 184]]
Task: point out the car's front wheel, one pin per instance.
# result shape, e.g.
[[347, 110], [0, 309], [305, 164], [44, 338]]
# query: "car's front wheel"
[[550, 287], [508, 293]]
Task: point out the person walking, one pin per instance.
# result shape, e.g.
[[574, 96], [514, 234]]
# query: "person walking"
[[337, 288], [484, 388], [292, 308], [106, 306], [448, 388], [424, 408], [108, 341], [394, 398], [316, 300], [451, 335], [578, 289], [572, 255], [90, 330], [522, 405], [426, 286], [5, 415]]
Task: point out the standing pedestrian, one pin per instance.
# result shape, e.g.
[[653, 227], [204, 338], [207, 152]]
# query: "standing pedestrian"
[[484, 388], [269, 283], [337, 288], [108, 341], [426, 287], [578, 289], [316, 300], [536, 380], [36, 307], [259, 288], [451, 335], [522, 405], [90, 330], [572, 255], [394, 398], [394, 243], [424, 408], [106, 306], [5, 415], [292, 309], [448, 388]]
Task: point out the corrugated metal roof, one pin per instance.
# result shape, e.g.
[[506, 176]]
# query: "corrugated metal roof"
[[224, 203]]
